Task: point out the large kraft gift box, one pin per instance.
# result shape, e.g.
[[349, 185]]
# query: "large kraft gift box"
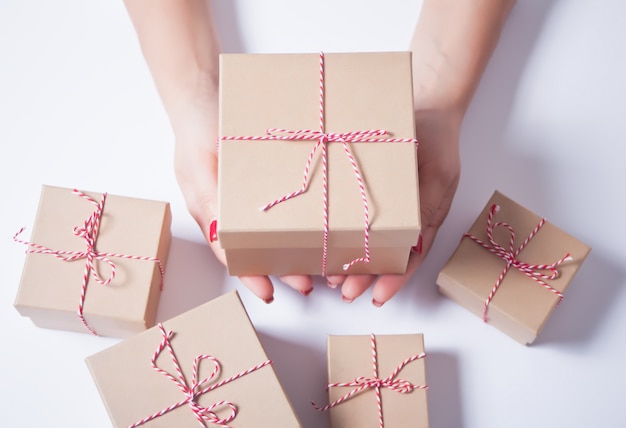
[[518, 300], [400, 361], [133, 234], [362, 91], [215, 334]]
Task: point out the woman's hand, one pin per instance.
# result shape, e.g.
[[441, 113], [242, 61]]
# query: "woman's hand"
[[451, 45], [180, 46], [195, 160], [439, 170]]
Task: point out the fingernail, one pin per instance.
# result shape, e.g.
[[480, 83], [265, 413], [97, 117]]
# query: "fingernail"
[[377, 303], [270, 300], [213, 231], [306, 292], [345, 299], [331, 285], [418, 248]]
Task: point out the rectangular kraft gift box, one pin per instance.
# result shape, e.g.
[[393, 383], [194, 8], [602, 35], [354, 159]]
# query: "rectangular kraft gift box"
[[363, 91], [50, 288], [350, 357], [133, 390], [520, 307]]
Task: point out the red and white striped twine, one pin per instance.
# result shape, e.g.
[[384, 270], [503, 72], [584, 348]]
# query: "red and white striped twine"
[[363, 383], [89, 232], [203, 414], [533, 271], [323, 138]]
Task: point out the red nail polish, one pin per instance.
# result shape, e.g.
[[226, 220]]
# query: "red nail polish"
[[270, 300], [418, 248], [213, 231], [377, 303], [307, 292], [345, 299]]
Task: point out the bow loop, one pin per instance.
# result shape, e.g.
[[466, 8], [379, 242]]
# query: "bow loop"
[[537, 272], [198, 387], [196, 382]]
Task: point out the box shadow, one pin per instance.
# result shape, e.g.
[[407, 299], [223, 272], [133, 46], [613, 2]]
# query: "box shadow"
[[192, 276], [586, 304], [444, 392], [297, 365]]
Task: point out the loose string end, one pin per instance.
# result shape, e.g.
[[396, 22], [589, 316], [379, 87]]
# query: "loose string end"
[[316, 407], [355, 261], [19, 232]]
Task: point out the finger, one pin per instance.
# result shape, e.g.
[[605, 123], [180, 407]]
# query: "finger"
[[388, 285], [355, 285], [260, 286], [435, 201], [427, 237], [302, 283], [335, 281]]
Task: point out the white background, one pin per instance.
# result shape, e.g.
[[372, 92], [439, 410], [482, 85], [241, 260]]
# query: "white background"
[[78, 109]]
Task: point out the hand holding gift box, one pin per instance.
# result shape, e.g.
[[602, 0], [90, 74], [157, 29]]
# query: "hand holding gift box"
[[205, 368], [94, 262], [512, 268], [359, 394], [343, 126]]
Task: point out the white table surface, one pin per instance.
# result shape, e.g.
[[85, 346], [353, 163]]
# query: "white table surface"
[[79, 109]]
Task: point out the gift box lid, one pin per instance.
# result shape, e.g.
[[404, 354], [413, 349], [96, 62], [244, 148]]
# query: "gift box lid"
[[363, 91]]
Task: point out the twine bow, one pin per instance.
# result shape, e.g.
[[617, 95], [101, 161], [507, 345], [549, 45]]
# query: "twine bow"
[[363, 383], [88, 231], [323, 138], [192, 393], [538, 272]]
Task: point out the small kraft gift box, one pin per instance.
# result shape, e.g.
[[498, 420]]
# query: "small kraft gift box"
[[376, 381], [205, 367], [317, 163], [94, 262], [512, 268]]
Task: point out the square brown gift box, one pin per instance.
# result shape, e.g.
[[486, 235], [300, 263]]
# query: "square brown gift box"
[[354, 400], [270, 109], [77, 235], [541, 261], [213, 347]]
